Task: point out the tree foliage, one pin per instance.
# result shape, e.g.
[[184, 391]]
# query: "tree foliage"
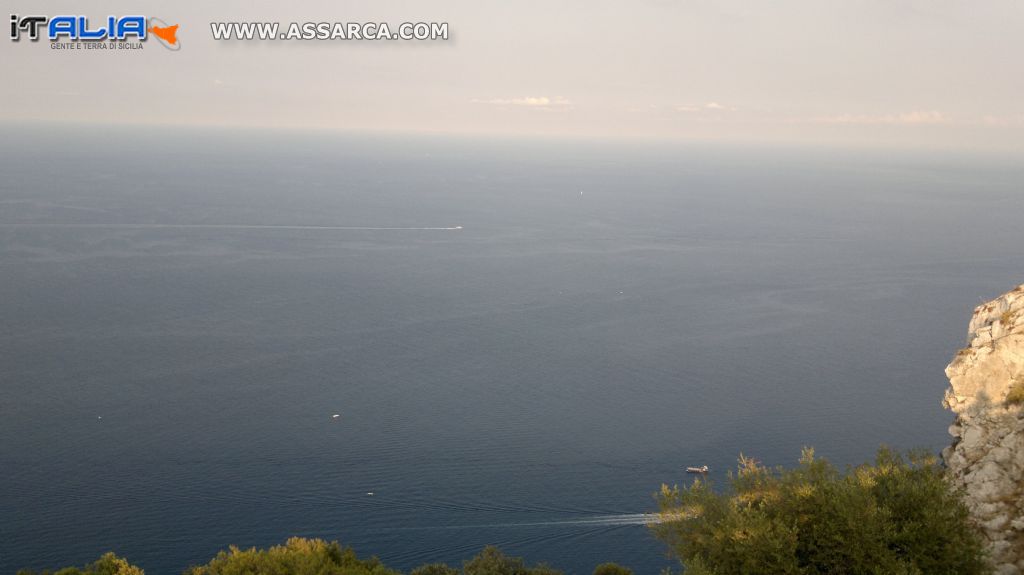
[[491, 561], [897, 516], [296, 557], [300, 556], [107, 564], [434, 569], [612, 569]]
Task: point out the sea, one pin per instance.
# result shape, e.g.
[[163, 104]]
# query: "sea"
[[419, 345]]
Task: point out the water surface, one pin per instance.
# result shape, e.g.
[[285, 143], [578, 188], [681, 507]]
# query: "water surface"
[[184, 312]]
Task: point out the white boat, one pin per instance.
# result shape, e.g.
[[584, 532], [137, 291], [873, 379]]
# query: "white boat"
[[701, 469]]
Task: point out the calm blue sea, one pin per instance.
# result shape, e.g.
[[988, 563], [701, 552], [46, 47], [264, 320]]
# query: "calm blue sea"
[[183, 312]]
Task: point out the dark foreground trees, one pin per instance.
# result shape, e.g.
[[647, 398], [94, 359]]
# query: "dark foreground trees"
[[612, 569], [490, 561], [300, 556], [893, 517]]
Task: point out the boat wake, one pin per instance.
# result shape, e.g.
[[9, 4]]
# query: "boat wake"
[[609, 520], [619, 520], [513, 535]]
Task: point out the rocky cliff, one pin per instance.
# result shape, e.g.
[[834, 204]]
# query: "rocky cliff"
[[986, 459]]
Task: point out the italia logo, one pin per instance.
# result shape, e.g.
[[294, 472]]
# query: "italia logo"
[[76, 28]]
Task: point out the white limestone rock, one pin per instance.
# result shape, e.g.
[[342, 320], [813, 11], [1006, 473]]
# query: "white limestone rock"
[[986, 459]]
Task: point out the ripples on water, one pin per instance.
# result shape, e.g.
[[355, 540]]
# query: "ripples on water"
[[182, 320]]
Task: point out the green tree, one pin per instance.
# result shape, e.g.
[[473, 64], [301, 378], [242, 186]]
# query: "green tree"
[[434, 569], [107, 564], [897, 516], [297, 556], [612, 569], [491, 561]]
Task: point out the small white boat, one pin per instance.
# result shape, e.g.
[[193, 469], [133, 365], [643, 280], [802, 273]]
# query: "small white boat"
[[336, 416], [701, 469]]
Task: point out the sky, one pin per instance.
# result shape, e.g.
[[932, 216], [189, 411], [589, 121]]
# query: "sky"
[[885, 73]]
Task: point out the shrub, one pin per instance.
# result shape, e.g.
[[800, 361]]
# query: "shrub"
[[300, 556], [107, 564], [434, 569], [491, 561], [1016, 394], [296, 557], [1006, 317], [895, 516], [612, 569]]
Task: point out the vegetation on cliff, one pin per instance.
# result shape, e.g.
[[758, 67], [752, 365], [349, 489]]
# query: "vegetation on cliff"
[[1015, 395], [897, 516]]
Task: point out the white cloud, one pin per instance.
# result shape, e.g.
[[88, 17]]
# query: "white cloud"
[[1002, 121], [707, 107], [540, 102], [916, 117]]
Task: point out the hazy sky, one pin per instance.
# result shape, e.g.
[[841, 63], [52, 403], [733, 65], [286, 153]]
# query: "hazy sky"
[[878, 73]]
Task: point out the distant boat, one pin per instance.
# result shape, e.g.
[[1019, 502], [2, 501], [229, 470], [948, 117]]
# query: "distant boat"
[[336, 416], [701, 469]]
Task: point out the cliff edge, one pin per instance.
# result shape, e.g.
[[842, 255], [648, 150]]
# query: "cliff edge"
[[986, 459]]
